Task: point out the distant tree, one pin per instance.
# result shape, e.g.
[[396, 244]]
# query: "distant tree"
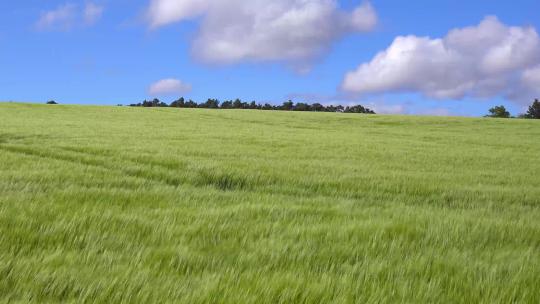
[[191, 104], [155, 103], [330, 108], [180, 103], [51, 102], [228, 104], [358, 109], [534, 110], [287, 106], [317, 107], [267, 107], [159, 104], [498, 112], [238, 104], [210, 104], [254, 106], [302, 107]]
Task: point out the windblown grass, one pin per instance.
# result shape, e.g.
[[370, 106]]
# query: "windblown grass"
[[110, 204]]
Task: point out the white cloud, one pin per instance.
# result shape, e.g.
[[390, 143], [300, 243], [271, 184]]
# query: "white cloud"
[[67, 16], [163, 12], [61, 18], [531, 77], [92, 13], [487, 60], [295, 31], [169, 87]]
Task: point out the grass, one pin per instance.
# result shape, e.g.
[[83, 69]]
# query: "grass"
[[113, 204]]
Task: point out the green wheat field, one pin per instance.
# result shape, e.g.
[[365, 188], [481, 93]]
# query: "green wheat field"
[[135, 205]]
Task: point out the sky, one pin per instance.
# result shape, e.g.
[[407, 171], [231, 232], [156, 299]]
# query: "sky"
[[397, 57]]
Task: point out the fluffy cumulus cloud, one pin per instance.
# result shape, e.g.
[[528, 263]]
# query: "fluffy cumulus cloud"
[[68, 16], [531, 77], [232, 31], [169, 87], [487, 60]]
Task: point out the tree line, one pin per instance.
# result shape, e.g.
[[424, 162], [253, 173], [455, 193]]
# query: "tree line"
[[239, 104], [496, 112], [532, 113]]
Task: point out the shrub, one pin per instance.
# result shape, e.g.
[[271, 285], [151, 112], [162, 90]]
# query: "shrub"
[[498, 112]]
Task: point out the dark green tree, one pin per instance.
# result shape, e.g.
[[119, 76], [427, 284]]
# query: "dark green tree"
[[267, 107], [302, 107], [191, 104], [534, 110], [498, 112], [358, 109], [51, 102], [154, 103], [228, 104], [238, 104], [330, 108], [317, 107], [287, 106], [254, 106], [210, 104], [180, 103]]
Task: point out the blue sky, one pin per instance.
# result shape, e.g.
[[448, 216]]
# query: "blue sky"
[[113, 51]]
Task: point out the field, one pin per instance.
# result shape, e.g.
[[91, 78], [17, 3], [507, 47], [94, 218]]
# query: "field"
[[115, 204]]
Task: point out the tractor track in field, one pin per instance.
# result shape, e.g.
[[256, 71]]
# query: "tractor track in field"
[[143, 170], [55, 155]]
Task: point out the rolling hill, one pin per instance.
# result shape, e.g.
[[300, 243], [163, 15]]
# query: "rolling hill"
[[116, 204]]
